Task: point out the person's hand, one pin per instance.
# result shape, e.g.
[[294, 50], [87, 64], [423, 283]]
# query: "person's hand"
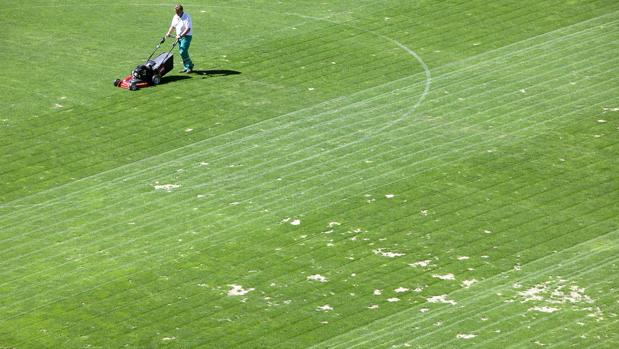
[[178, 37]]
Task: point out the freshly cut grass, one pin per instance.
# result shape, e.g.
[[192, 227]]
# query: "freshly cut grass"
[[374, 174]]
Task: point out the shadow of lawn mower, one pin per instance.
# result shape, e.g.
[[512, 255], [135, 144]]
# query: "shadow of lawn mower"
[[151, 72]]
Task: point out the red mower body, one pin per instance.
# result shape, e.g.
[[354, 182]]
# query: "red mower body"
[[130, 83]]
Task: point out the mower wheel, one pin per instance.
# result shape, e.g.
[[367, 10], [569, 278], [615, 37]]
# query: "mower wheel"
[[133, 86], [117, 82], [156, 79]]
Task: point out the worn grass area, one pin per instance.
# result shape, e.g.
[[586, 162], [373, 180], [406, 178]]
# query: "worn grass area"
[[377, 174]]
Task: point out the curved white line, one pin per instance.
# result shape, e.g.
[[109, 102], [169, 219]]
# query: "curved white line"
[[408, 50]]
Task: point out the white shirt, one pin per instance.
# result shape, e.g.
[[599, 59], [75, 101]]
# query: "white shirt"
[[182, 23]]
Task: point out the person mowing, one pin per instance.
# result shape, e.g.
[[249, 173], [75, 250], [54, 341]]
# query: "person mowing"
[[182, 23]]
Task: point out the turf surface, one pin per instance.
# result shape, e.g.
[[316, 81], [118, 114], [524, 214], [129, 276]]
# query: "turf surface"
[[351, 174]]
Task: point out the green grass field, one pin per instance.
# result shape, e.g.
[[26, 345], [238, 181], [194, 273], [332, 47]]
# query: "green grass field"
[[375, 174]]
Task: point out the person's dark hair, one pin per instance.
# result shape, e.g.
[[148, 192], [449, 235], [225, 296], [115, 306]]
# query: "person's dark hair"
[[179, 7]]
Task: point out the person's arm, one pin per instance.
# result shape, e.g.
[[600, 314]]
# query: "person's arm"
[[169, 30], [172, 26], [183, 33]]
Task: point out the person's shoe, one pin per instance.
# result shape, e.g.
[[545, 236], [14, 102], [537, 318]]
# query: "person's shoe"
[[182, 71], [188, 71]]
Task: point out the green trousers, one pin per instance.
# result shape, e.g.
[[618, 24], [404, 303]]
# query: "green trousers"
[[183, 49]]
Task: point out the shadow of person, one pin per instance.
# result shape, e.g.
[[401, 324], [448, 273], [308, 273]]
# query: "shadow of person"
[[171, 78], [215, 72]]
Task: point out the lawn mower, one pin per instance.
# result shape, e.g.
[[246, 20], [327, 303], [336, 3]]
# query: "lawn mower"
[[151, 71]]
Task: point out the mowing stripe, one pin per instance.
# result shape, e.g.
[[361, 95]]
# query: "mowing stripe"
[[95, 225], [257, 124]]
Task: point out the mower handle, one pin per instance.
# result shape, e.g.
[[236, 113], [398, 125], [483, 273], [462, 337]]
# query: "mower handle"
[[158, 46]]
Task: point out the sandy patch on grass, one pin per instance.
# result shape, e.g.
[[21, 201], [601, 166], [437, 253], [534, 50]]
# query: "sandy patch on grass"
[[388, 254], [422, 264], [544, 309], [317, 277], [547, 297], [444, 299], [238, 290], [166, 187], [325, 307], [444, 277], [555, 294], [468, 283]]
